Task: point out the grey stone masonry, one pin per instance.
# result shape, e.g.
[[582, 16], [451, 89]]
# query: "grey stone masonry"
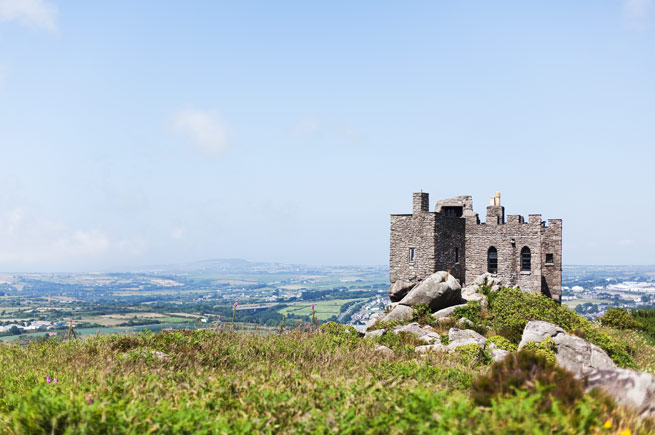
[[524, 254]]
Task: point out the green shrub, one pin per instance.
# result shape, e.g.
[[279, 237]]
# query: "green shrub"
[[545, 348], [472, 354], [620, 319], [471, 311], [511, 309], [502, 343], [445, 339], [646, 317], [402, 342], [527, 371], [423, 315]]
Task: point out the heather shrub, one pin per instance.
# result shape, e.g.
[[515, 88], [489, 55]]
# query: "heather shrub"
[[423, 315], [472, 355], [472, 311], [620, 319], [545, 348], [502, 343], [511, 309], [527, 371]]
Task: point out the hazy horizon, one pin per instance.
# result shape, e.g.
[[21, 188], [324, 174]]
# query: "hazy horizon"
[[160, 133]]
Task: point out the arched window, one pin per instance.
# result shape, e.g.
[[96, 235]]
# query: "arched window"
[[492, 260], [526, 259]]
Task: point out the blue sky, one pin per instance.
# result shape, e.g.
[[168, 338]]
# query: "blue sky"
[[152, 132]]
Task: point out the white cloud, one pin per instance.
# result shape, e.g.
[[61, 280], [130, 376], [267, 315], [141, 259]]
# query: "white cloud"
[[637, 11], [30, 242], [625, 242], [204, 128], [33, 13]]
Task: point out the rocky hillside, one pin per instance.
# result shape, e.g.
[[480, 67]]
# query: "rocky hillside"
[[429, 371]]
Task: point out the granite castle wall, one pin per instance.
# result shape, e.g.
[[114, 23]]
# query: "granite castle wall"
[[441, 238]]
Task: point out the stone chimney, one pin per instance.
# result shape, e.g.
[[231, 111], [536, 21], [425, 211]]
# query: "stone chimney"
[[421, 202]]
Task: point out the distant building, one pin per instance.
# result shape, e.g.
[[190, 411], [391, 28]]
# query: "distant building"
[[525, 254]]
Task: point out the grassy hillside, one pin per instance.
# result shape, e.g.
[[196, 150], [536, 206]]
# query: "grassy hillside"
[[319, 380]]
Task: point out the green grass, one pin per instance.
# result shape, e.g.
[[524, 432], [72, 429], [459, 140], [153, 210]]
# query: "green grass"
[[324, 309], [328, 380]]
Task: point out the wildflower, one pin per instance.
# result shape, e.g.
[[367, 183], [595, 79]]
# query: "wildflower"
[[626, 432], [89, 400], [312, 306], [48, 379], [608, 425], [235, 304], [56, 380], [219, 318]]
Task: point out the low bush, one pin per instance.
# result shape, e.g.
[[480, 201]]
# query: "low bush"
[[502, 343], [620, 319], [527, 371], [511, 309], [423, 315], [472, 311], [473, 355], [545, 348]]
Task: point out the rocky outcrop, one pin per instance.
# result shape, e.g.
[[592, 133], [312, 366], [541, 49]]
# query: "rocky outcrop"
[[412, 328], [498, 354], [440, 290], [399, 290], [462, 337], [628, 388], [446, 312], [375, 333], [430, 348], [399, 312], [573, 353]]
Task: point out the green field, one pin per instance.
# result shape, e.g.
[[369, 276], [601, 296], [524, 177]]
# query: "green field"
[[324, 309]]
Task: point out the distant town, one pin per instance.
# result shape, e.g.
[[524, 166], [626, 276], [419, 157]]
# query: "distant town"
[[258, 295]]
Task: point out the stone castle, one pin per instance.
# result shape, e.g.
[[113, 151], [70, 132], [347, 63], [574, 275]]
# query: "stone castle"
[[519, 253]]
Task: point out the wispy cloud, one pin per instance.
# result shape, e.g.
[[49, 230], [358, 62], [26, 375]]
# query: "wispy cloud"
[[33, 13], [625, 242], [204, 128], [29, 241], [637, 11]]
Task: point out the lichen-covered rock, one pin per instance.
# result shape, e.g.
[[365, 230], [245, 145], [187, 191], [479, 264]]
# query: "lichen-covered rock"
[[431, 338], [440, 290], [446, 312], [628, 388], [462, 334], [399, 312], [498, 354], [453, 345], [412, 328], [375, 333], [430, 348], [475, 297], [399, 289], [383, 350], [486, 279], [573, 353], [373, 320]]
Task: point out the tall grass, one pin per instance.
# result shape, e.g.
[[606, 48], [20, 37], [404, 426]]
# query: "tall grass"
[[325, 380]]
